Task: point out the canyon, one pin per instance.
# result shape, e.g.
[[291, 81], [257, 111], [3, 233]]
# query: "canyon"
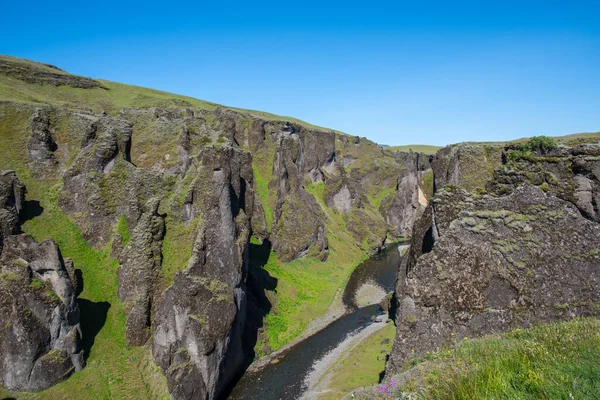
[[155, 245]]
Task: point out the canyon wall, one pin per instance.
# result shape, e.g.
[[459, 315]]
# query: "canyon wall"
[[510, 239]]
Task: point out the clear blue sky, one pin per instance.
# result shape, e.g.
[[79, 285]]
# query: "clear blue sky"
[[432, 72]]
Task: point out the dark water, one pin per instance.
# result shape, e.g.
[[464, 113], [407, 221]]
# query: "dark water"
[[285, 380], [380, 269]]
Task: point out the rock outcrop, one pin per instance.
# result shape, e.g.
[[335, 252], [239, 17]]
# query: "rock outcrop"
[[527, 252], [298, 227], [198, 322], [466, 165], [39, 317], [412, 194], [140, 268], [12, 197]]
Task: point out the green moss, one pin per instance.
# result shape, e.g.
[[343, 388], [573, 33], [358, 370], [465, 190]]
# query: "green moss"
[[317, 189], [122, 229], [54, 356], [198, 318], [380, 196], [427, 183], [37, 284], [177, 247], [9, 276], [20, 263], [262, 167]]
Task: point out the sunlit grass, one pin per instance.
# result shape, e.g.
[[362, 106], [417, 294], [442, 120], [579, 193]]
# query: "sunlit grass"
[[554, 361]]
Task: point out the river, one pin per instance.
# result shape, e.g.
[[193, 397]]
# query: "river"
[[287, 378]]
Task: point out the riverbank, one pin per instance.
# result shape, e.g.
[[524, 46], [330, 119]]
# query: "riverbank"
[[319, 379], [337, 309], [282, 373]]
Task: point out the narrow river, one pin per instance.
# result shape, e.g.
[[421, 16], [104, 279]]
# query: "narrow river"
[[286, 379]]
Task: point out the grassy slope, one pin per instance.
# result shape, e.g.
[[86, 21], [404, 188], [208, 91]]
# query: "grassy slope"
[[417, 148], [556, 361], [570, 140], [115, 97], [306, 287]]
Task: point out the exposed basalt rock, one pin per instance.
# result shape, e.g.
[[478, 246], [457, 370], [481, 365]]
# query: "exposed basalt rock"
[[466, 165], [570, 173], [41, 143], [198, 322], [298, 227], [140, 266], [410, 198], [102, 183], [12, 198], [39, 317], [496, 263]]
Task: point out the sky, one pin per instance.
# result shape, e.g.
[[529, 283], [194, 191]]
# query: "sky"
[[403, 72]]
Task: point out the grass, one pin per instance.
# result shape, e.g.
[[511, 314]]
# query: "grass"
[[177, 248], [122, 229], [361, 366], [427, 182], [417, 148], [261, 185], [378, 198], [555, 361], [306, 287]]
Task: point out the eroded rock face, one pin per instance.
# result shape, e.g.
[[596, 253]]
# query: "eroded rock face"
[[570, 173], [39, 317], [298, 228], [465, 165], [12, 197], [140, 267], [409, 200], [198, 321], [102, 183], [494, 263]]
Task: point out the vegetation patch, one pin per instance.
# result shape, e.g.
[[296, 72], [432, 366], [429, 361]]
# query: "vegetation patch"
[[362, 365], [556, 361], [122, 229], [177, 247]]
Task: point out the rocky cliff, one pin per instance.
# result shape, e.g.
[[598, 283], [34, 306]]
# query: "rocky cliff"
[[39, 317], [173, 188], [513, 246]]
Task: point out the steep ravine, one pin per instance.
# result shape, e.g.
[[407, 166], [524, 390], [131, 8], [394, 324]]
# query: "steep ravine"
[[161, 199], [289, 375]]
